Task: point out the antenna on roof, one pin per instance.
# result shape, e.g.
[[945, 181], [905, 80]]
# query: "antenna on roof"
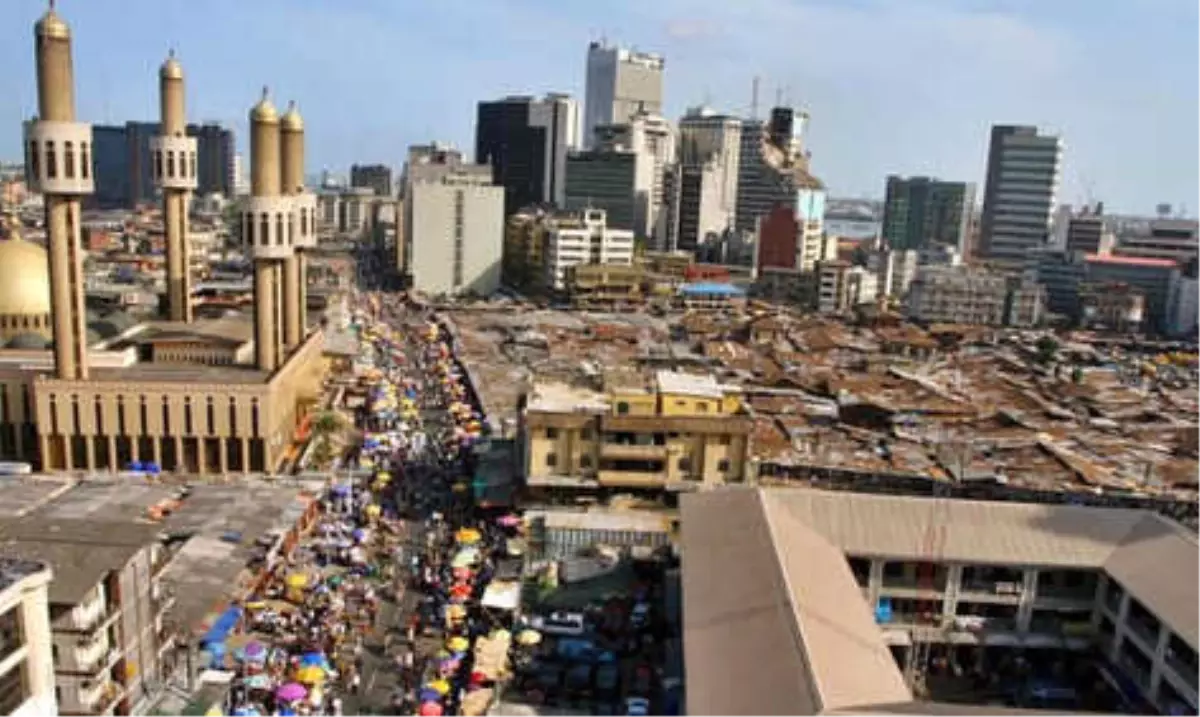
[[754, 99]]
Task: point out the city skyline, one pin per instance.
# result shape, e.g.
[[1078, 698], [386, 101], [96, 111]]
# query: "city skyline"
[[360, 75]]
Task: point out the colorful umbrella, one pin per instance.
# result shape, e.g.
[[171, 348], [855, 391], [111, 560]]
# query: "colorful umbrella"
[[428, 695], [431, 709], [257, 682], [297, 580], [458, 644], [529, 637], [311, 675], [291, 692], [312, 659], [460, 591], [441, 687], [468, 536]]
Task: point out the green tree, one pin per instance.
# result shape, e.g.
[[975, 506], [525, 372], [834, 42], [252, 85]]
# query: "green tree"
[[1047, 349], [327, 423]]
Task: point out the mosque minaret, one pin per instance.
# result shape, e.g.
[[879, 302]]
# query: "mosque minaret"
[[304, 207], [58, 165], [174, 171]]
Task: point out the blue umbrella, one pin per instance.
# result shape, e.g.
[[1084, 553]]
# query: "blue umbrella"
[[428, 695], [153, 468], [136, 466], [312, 659], [246, 712]]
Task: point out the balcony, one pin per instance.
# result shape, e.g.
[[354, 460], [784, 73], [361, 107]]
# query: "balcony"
[[102, 700], [1002, 591], [633, 451], [632, 479], [91, 621]]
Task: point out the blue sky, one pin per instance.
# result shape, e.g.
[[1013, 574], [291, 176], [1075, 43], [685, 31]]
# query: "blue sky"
[[893, 86]]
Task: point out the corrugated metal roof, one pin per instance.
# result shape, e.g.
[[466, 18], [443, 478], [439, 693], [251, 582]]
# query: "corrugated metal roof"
[[1157, 564]]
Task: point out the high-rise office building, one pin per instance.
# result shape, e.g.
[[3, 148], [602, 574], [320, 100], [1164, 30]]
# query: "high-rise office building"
[[372, 176], [709, 158], [620, 83], [921, 213], [124, 176], [652, 139], [456, 225], [1022, 185], [615, 179], [526, 141]]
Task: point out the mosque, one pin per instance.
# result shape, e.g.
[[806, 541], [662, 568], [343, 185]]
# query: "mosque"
[[185, 394]]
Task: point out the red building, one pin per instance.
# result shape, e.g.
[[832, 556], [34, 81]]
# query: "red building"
[[778, 233]]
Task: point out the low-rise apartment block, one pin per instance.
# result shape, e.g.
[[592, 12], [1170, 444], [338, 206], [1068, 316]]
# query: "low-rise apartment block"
[[26, 663], [672, 431], [587, 239]]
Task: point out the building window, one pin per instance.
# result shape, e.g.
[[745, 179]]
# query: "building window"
[[54, 415], [11, 634], [14, 687], [622, 408], [264, 228], [144, 415], [279, 229], [69, 160], [303, 222], [85, 160], [585, 461], [233, 422], [187, 416], [99, 408], [171, 163], [723, 465], [166, 417], [551, 460], [121, 415], [551, 433], [726, 439], [212, 417], [685, 465], [192, 165], [254, 427], [51, 161], [158, 163]]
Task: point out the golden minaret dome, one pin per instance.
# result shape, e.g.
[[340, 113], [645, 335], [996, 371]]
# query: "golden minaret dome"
[[51, 25], [171, 69], [264, 111], [292, 121]]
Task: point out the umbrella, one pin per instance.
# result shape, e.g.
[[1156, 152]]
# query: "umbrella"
[[428, 695], [468, 536], [246, 712], [311, 675], [297, 580], [508, 521], [456, 611], [441, 687], [529, 637], [458, 644], [312, 659], [291, 692], [359, 534], [460, 591], [461, 573], [431, 709], [465, 558]]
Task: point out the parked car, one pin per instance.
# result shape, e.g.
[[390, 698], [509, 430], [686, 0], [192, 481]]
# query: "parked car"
[[560, 623], [637, 706]]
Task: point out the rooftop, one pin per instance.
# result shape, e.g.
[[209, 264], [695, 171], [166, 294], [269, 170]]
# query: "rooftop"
[[764, 635], [1131, 260]]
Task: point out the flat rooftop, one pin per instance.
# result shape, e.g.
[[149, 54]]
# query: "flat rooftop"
[[775, 623]]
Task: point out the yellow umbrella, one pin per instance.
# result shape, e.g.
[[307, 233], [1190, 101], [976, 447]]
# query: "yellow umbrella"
[[439, 686], [458, 644], [383, 475], [529, 637], [311, 675], [297, 580], [468, 536], [455, 611], [373, 510]]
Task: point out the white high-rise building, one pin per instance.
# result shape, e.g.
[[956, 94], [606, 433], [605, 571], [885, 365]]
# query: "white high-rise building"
[[620, 83], [558, 115], [1023, 172], [456, 228], [652, 140], [590, 241]]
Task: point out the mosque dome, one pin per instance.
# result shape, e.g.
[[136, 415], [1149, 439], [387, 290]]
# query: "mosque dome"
[[51, 25], [291, 120], [24, 278], [171, 69], [264, 111]]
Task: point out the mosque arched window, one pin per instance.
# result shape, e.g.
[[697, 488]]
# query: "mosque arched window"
[[34, 164], [291, 228], [85, 160], [279, 229], [192, 165], [69, 160], [171, 164], [265, 229], [51, 161], [158, 163], [303, 222]]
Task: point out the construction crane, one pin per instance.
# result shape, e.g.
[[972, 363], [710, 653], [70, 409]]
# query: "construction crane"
[[929, 622]]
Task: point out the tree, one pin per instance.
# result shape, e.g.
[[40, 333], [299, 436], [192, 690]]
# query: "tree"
[[327, 423], [1047, 349]]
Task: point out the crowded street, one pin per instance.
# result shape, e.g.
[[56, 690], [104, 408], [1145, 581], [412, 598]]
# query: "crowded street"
[[381, 607]]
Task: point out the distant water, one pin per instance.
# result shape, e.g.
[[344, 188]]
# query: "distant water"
[[858, 229]]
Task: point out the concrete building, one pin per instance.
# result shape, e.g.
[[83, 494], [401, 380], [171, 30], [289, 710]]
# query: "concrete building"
[[586, 240], [1175, 239], [957, 295], [709, 159], [859, 586], [1183, 308], [919, 212], [1025, 303], [213, 396], [670, 432], [841, 286], [617, 180], [1061, 273], [124, 169], [526, 142], [456, 230], [652, 138], [26, 662], [1085, 231], [1111, 307], [620, 83], [1023, 173], [1154, 278], [429, 163], [377, 177], [606, 286]]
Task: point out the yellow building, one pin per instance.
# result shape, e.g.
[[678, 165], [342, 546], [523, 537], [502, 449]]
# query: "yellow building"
[[189, 396], [674, 432], [524, 239], [602, 285]]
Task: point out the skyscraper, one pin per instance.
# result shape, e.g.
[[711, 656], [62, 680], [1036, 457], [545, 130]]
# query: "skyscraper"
[[1022, 184], [372, 176], [709, 157], [921, 213], [620, 83], [526, 141], [123, 162]]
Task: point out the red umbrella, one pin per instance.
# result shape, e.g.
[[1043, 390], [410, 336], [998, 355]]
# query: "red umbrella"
[[431, 709]]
